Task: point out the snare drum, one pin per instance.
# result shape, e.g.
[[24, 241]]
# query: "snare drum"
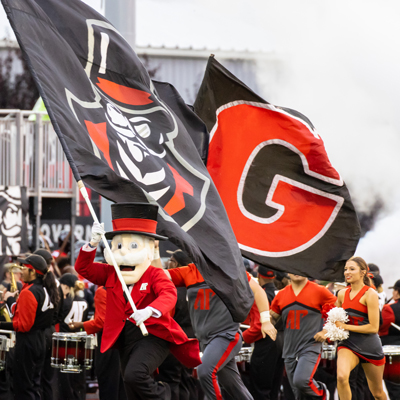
[[7, 342], [328, 351], [328, 357], [4, 348], [392, 367], [72, 352], [243, 358], [244, 354]]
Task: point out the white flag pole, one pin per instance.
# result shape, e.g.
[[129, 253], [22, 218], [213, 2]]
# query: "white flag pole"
[[85, 195]]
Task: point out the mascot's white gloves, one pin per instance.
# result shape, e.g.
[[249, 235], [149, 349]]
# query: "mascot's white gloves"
[[141, 315], [97, 231]]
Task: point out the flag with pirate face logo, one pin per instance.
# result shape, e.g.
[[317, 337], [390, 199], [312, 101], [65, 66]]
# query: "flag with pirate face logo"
[[13, 222], [288, 206], [122, 138]]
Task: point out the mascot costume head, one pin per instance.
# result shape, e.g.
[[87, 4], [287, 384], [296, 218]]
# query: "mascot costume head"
[[132, 238]]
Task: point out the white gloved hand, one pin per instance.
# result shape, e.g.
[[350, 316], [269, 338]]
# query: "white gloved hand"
[[97, 231], [141, 315]]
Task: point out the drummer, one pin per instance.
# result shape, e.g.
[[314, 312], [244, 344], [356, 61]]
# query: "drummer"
[[33, 314], [75, 310], [389, 334]]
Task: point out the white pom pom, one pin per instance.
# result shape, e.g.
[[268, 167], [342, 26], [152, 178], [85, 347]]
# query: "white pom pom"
[[333, 332], [337, 314]]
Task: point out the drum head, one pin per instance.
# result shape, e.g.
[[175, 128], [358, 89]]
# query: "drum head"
[[391, 350]]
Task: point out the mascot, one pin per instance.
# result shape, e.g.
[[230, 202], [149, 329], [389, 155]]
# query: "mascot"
[[133, 237]]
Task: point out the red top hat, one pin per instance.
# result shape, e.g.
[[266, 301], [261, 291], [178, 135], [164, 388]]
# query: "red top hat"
[[139, 218]]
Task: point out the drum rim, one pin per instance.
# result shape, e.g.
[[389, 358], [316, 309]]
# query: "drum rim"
[[391, 350]]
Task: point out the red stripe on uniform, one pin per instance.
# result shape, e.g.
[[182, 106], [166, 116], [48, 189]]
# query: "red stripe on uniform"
[[220, 362], [319, 392], [382, 361]]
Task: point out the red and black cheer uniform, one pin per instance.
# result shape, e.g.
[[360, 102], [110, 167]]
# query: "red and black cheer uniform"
[[302, 320], [366, 346], [217, 333], [33, 314]]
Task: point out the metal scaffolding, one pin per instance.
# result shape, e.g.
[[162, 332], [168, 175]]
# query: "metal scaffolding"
[[31, 155]]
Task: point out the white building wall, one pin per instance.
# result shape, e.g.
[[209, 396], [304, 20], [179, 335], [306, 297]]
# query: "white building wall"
[[186, 73]]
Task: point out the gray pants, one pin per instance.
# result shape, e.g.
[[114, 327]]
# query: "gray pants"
[[300, 372], [219, 368]]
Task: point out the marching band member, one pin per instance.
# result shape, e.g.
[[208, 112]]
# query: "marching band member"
[[179, 378], [264, 359], [389, 334], [47, 376], [75, 308], [33, 313], [300, 305], [363, 344]]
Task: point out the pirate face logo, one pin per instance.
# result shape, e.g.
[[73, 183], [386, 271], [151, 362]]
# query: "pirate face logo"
[[10, 220], [137, 150], [133, 131]]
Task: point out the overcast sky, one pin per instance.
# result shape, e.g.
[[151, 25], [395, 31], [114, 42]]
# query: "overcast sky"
[[336, 62]]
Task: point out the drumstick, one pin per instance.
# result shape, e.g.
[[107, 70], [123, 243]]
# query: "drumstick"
[[85, 195], [244, 326], [396, 326]]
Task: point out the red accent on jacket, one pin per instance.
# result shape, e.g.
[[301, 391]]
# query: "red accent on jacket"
[[387, 318], [25, 313], [96, 324], [253, 333]]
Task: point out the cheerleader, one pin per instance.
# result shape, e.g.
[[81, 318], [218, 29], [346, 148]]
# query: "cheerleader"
[[363, 345]]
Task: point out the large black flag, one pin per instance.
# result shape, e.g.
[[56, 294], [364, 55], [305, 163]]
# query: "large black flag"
[[122, 139], [288, 206]]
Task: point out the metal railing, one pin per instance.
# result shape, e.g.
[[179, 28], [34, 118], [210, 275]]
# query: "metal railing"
[[31, 155]]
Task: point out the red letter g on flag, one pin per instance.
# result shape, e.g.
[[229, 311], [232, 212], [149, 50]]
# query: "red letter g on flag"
[[293, 215]]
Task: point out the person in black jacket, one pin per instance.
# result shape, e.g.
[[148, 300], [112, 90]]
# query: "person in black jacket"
[[33, 314], [179, 378], [266, 365], [47, 377], [390, 334], [72, 386]]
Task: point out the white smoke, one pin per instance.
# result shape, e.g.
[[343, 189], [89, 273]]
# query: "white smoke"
[[338, 64]]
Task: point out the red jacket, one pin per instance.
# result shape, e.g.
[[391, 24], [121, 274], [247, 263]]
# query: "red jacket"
[[153, 289], [253, 333], [96, 324]]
